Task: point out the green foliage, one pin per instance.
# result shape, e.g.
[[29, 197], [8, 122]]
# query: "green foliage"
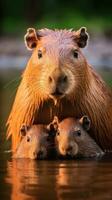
[[17, 15]]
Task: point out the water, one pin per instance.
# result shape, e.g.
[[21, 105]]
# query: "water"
[[25, 179]]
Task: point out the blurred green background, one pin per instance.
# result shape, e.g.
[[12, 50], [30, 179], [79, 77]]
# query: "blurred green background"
[[17, 15]]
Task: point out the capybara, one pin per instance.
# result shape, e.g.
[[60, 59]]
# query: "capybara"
[[73, 140], [59, 81], [33, 144]]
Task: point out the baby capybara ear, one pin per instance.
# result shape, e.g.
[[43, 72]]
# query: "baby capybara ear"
[[81, 37], [53, 126], [24, 130], [31, 38], [55, 123], [85, 122]]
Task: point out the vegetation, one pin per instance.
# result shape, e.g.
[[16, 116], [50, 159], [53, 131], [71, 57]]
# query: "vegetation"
[[17, 15]]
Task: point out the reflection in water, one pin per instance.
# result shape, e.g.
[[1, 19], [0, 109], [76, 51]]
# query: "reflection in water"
[[74, 180], [50, 180], [30, 179], [20, 174]]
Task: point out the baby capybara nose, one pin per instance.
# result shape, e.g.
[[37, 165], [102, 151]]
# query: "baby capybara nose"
[[69, 149]]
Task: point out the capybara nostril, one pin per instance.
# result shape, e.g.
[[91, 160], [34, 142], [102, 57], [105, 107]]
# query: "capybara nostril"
[[57, 92], [64, 79], [57, 79], [69, 149], [35, 155], [50, 79]]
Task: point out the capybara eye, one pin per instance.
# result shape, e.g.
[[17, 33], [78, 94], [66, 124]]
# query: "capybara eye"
[[39, 54], [58, 133], [28, 139], [75, 54], [78, 133]]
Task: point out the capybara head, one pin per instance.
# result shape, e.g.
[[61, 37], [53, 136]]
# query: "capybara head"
[[57, 65], [34, 142], [65, 143], [73, 140]]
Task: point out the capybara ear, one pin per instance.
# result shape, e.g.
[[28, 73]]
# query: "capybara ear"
[[81, 37], [85, 122], [55, 123], [31, 38], [53, 126], [24, 130]]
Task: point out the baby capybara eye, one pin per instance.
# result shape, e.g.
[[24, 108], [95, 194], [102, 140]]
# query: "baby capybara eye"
[[58, 133], [75, 54], [28, 139], [39, 54], [78, 133]]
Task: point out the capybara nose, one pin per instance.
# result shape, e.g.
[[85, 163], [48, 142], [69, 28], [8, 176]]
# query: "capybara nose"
[[58, 82], [61, 79], [59, 86], [56, 92], [69, 150]]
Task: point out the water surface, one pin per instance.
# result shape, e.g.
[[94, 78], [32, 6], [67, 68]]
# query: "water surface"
[[23, 179]]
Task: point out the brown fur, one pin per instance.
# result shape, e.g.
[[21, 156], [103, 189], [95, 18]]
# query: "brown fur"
[[34, 143], [83, 93], [73, 140]]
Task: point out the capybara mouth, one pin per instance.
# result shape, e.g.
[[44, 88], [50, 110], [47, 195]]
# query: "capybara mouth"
[[57, 94], [56, 97]]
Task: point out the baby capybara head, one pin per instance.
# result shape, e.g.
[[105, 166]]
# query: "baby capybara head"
[[65, 143], [73, 140], [34, 142], [57, 65]]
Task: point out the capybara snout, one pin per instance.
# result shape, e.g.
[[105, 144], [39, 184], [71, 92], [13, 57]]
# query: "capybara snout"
[[69, 150], [58, 83]]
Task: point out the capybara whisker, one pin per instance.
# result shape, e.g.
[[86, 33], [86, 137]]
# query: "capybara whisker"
[[15, 80]]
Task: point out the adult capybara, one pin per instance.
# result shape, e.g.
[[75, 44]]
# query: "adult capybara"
[[34, 143], [73, 140], [59, 81]]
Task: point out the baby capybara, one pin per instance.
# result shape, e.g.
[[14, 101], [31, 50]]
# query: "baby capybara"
[[73, 140], [59, 81], [34, 143]]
